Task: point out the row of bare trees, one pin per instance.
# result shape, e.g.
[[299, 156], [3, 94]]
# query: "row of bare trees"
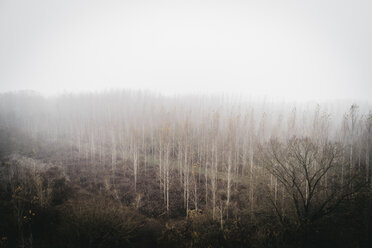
[[310, 155]]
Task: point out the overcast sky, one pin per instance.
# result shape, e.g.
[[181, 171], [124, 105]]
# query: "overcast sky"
[[291, 49]]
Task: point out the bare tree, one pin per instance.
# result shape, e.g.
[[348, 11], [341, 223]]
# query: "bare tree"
[[300, 165], [368, 131]]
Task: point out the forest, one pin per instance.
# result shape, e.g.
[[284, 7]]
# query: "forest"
[[121, 168]]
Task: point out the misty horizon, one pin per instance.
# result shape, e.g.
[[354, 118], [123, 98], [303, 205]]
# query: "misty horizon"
[[239, 97], [292, 50]]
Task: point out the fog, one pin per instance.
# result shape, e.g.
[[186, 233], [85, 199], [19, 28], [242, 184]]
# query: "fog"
[[135, 168], [185, 124], [292, 50]]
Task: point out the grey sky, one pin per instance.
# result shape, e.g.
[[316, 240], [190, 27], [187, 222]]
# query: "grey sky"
[[292, 49]]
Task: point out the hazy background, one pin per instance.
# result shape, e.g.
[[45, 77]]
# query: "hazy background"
[[298, 50]]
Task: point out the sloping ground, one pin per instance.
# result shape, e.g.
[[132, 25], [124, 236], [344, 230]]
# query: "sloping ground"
[[54, 201]]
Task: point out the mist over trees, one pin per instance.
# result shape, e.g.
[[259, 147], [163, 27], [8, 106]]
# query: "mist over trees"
[[252, 172]]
